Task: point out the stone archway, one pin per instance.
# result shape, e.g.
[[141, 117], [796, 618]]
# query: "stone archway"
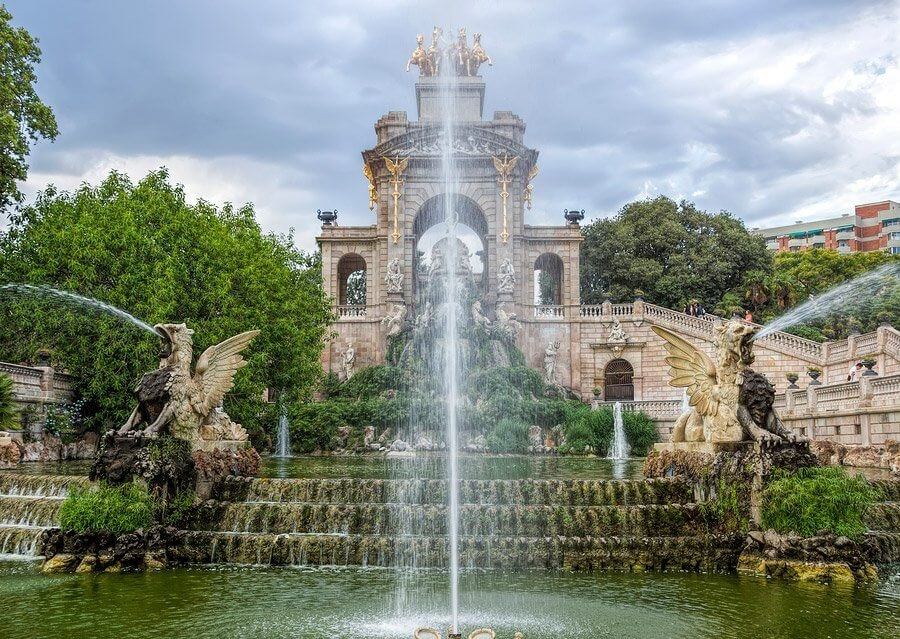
[[472, 229]]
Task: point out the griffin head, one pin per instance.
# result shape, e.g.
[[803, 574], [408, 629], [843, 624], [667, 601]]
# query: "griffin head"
[[176, 340]]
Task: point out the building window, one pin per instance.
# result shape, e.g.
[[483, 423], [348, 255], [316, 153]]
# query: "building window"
[[618, 378], [895, 250], [843, 243]]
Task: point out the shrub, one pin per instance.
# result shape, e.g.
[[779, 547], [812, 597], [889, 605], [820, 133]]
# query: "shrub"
[[640, 432], [117, 509], [7, 408], [508, 436], [372, 381], [586, 427], [818, 499]]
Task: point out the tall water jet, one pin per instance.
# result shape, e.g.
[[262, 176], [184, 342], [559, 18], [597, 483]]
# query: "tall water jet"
[[448, 84], [283, 439], [619, 448], [854, 294]]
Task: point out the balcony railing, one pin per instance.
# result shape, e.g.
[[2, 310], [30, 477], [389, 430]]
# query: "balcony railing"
[[546, 311], [351, 311]]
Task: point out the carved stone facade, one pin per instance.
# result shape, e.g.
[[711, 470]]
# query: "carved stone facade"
[[533, 274]]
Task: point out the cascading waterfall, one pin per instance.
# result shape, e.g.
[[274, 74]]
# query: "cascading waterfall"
[[619, 447], [283, 440]]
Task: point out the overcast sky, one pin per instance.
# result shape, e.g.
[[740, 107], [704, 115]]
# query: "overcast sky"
[[776, 111]]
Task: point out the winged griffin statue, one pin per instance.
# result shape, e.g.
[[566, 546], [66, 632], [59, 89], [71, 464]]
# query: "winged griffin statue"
[[729, 401], [189, 404]]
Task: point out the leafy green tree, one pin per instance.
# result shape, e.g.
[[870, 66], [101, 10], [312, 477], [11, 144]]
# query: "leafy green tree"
[[23, 117], [7, 408], [671, 251], [799, 275], [143, 248]]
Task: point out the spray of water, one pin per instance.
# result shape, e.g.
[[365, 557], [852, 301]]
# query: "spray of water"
[[619, 447], [283, 440], [856, 293], [74, 299]]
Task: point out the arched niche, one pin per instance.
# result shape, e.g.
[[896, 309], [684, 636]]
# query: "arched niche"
[[548, 280], [351, 272]]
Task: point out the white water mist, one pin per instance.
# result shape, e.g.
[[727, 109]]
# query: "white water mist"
[[855, 294]]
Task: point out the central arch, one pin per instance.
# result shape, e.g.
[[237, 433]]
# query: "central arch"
[[472, 230]]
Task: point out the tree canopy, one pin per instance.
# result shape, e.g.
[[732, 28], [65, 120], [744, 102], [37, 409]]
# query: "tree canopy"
[[143, 248], [668, 251], [23, 116], [799, 275]]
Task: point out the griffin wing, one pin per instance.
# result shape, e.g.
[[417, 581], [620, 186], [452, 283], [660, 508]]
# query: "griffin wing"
[[215, 370], [692, 369], [533, 172], [367, 171]]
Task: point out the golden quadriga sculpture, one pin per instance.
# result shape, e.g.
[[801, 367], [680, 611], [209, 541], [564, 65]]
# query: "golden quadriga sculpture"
[[729, 401], [189, 404]]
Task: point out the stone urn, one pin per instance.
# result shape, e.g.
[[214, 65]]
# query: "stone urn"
[[868, 363], [792, 380], [814, 374]]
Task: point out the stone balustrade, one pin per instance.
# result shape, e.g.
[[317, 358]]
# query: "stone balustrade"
[[546, 311], [351, 311], [666, 409], [861, 412]]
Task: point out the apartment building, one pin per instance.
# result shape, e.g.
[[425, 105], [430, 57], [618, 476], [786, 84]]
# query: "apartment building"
[[872, 227]]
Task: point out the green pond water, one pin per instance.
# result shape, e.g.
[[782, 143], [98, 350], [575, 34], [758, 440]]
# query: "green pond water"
[[304, 603], [228, 601]]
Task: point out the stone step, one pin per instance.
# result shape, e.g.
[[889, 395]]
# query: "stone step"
[[17, 485], [29, 511], [431, 520], [884, 517], [890, 488], [434, 491], [699, 552], [885, 546], [20, 540]]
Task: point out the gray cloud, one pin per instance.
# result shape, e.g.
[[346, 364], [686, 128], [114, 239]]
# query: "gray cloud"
[[772, 110]]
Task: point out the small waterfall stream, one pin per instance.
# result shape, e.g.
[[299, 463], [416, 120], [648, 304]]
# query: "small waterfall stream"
[[618, 450], [283, 440]]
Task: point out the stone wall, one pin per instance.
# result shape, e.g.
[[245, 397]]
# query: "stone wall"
[[36, 388]]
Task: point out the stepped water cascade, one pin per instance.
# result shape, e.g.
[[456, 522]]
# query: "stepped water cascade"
[[28, 506]]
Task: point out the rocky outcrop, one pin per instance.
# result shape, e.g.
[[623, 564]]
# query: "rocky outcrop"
[[10, 452], [51, 449], [215, 465], [69, 551], [824, 558], [831, 453]]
